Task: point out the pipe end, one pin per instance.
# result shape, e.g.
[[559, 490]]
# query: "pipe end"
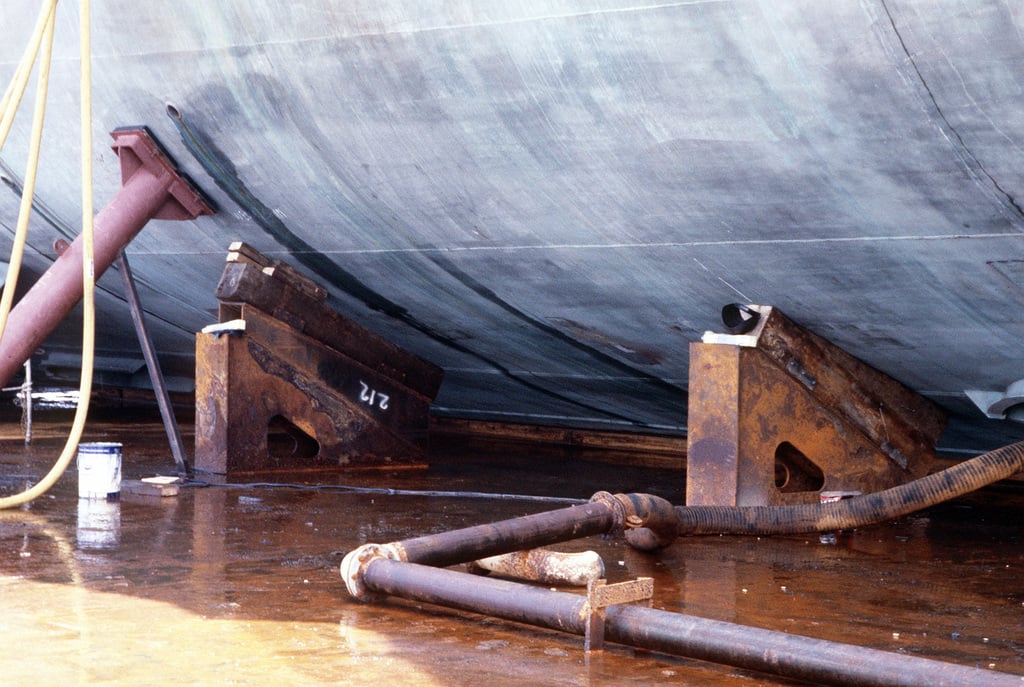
[[353, 567]]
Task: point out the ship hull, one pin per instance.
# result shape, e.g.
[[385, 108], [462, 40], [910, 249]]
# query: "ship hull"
[[552, 200]]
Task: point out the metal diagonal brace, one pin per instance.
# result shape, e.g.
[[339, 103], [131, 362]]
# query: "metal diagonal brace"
[[156, 375], [151, 189]]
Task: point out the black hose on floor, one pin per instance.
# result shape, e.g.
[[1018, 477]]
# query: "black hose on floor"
[[880, 506]]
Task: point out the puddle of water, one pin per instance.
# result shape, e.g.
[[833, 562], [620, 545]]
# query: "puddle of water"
[[239, 585]]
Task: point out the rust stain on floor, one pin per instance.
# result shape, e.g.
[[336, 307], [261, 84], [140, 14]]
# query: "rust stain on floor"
[[239, 584]]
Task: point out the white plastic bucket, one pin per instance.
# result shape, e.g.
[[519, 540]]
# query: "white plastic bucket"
[[99, 470]]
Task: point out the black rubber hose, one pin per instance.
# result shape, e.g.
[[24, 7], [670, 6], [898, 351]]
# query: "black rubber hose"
[[872, 508]]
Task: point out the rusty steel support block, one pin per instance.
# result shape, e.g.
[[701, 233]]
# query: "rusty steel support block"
[[332, 411], [778, 415], [271, 397]]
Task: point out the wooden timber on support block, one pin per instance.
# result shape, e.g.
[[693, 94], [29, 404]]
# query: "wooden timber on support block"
[[779, 415], [283, 382], [250, 282], [243, 252]]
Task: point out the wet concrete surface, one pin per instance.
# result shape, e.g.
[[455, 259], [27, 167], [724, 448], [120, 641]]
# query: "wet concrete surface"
[[237, 584]]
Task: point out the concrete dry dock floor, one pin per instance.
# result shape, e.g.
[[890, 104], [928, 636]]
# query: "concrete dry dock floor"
[[236, 585]]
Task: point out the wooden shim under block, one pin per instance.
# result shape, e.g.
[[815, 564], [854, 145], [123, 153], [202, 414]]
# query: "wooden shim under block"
[[143, 488], [243, 252]]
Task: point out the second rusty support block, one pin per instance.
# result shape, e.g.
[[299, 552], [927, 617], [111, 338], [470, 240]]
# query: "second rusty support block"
[[779, 415]]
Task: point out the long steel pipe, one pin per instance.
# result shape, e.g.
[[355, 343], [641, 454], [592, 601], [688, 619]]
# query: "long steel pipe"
[[527, 532], [151, 188], [404, 569], [777, 653], [603, 514]]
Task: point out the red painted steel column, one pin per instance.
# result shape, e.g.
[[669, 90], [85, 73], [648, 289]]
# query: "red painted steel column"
[[152, 188]]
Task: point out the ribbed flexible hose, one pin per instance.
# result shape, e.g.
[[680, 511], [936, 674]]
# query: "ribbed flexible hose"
[[883, 505]]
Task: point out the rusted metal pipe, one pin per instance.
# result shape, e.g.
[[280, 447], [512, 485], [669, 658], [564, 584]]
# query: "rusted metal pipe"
[[603, 514], [777, 653], [397, 569], [506, 536], [151, 189]]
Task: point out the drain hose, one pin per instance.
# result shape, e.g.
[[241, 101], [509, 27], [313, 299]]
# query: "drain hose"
[[872, 508]]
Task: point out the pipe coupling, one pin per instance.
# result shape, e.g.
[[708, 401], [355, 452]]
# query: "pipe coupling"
[[612, 502], [649, 522]]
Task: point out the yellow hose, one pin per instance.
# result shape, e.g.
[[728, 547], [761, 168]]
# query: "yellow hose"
[[28, 192], [88, 269], [16, 89]]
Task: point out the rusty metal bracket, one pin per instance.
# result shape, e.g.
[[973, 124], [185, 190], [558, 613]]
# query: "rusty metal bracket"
[[283, 382], [778, 414], [601, 595]]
